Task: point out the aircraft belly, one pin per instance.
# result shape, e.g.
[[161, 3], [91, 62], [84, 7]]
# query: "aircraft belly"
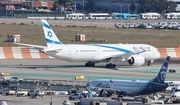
[[78, 57], [83, 57]]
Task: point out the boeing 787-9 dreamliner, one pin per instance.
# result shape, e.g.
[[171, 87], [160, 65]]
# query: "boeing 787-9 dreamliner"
[[134, 54]]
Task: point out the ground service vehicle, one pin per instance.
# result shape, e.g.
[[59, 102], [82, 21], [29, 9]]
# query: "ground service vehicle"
[[35, 93], [7, 92], [175, 96], [99, 16], [12, 79], [76, 96], [75, 16], [150, 15]]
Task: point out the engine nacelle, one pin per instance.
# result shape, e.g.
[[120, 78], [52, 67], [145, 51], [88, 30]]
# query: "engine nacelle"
[[136, 60]]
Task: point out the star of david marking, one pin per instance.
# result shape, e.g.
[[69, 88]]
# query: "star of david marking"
[[50, 34]]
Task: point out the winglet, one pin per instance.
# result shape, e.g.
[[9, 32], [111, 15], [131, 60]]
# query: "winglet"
[[51, 38], [160, 78]]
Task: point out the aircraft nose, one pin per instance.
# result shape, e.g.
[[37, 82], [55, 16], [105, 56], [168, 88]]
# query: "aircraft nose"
[[157, 55]]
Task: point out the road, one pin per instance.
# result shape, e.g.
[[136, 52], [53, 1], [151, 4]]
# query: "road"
[[58, 69], [99, 23]]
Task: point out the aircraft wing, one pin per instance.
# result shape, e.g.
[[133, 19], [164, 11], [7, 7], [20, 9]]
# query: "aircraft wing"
[[123, 57], [37, 47]]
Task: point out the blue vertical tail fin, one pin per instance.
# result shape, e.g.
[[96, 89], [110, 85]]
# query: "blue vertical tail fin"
[[51, 38], [160, 78]]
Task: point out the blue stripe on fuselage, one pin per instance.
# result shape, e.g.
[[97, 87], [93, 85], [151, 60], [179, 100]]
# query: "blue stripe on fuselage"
[[52, 42], [45, 25], [111, 47]]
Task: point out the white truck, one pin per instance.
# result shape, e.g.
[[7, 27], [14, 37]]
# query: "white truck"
[[7, 92], [12, 79], [35, 93], [76, 96], [22, 93], [175, 96]]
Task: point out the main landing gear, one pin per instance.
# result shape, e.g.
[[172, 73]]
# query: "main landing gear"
[[110, 65], [149, 63], [89, 64]]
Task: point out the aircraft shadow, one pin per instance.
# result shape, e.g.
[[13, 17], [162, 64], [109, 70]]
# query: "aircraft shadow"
[[71, 66]]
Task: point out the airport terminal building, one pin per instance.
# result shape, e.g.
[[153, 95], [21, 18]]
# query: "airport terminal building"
[[120, 6]]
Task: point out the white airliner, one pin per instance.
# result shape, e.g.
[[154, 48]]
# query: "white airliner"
[[134, 54], [133, 87]]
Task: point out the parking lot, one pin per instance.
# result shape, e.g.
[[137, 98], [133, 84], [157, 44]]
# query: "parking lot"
[[159, 25], [45, 100]]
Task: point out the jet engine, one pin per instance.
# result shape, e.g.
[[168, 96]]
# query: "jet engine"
[[136, 60]]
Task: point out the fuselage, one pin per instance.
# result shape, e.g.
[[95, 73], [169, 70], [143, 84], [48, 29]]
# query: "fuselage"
[[99, 52], [130, 87]]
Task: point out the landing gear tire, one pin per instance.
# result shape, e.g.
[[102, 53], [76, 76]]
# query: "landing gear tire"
[[89, 64], [149, 63], [110, 65]]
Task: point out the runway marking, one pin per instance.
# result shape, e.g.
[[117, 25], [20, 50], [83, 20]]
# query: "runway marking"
[[25, 53], [177, 50], [8, 53], [42, 55], [163, 52]]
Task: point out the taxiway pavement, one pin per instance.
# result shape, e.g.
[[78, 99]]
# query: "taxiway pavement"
[[56, 69]]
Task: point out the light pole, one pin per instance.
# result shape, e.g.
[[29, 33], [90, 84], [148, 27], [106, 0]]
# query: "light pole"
[[6, 11], [83, 6], [49, 85], [12, 8], [22, 7], [136, 8], [113, 87], [121, 8]]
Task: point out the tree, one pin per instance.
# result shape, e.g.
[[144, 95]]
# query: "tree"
[[171, 6], [145, 5], [63, 2], [55, 5], [160, 6], [132, 7], [90, 5], [26, 5], [157, 5]]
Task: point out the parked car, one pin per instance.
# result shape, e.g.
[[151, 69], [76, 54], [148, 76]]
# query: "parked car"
[[161, 25], [76, 96], [7, 92], [119, 25], [35, 93], [12, 79], [21, 93], [3, 103], [145, 26], [172, 25]]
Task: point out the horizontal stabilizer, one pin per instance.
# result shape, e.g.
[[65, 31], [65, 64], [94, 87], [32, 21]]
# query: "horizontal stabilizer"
[[32, 46]]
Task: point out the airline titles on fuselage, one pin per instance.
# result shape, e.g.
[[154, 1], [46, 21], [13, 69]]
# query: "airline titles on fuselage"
[[142, 48]]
